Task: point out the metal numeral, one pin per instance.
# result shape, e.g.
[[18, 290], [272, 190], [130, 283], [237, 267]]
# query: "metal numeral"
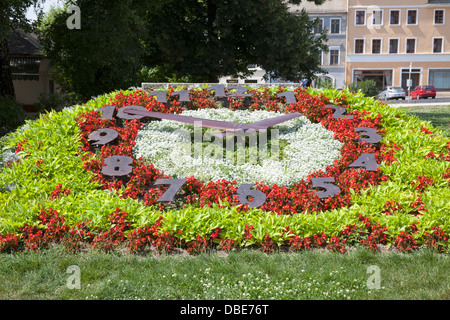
[[175, 186], [107, 112], [244, 191], [326, 183], [290, 97], [371, 134], [117, 166], [339, 113], [103, 136], [367, 161]]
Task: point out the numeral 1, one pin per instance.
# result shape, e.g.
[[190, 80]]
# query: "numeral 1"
[[219, 90], [240, 92], [290, 97], [107, 112]]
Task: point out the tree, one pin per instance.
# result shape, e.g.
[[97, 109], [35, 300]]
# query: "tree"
[[209, 38], [12, 16], [198, 40], [103, 55]]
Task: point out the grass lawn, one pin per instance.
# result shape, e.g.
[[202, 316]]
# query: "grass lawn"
[[240, 275], [439, 116], [244, 275]]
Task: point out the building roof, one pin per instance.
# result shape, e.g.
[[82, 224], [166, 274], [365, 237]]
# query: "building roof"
[[24, 44]]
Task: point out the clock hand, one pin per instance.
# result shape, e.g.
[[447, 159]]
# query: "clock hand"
[[216, 124], [266, 123]]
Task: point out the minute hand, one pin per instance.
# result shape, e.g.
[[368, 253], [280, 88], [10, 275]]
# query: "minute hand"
[[216, 124]]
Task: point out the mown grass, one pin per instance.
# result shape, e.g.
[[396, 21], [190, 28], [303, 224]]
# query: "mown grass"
[[439, 115], [309, 275]]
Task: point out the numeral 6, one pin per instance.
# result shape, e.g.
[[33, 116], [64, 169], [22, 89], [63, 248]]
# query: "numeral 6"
[[244, 191]]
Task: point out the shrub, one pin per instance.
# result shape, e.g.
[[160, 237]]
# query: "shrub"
[[47, 102], [367, 87], [12, 115]]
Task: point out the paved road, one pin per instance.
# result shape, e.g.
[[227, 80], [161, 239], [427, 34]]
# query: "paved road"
[[414, 102]]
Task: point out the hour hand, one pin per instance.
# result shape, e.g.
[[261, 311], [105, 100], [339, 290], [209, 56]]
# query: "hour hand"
[[264, 124]]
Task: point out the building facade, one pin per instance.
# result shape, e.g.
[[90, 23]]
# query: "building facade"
[[332, 16], [31, 72], [394, 41]]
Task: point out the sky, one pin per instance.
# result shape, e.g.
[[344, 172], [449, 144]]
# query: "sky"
[[47, 4]]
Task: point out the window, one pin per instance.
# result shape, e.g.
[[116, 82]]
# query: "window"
[[437, 45], [382, 78], [360, 18], [393, 46], [334, 57], [412, 17], [359, 45], [395, 18], [376, 46], [440, 78], [25, 68], [410, 45], [438, 16], [377, 17], [335, 25], [318, 28]]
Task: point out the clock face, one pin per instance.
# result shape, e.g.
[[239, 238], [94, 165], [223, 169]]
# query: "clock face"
[[285, 152]]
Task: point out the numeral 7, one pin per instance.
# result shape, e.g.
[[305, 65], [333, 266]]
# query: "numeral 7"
[[175, 186]]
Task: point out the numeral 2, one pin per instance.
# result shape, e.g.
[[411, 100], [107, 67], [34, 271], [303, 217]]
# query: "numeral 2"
[[339, 113]]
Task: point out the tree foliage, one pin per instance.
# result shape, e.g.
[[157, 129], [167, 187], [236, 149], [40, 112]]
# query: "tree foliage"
[[12, 16], [104, 55], [210, 38], [199, 40]]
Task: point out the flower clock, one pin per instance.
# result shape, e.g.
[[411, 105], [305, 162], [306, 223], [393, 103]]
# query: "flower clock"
[[230, 167]]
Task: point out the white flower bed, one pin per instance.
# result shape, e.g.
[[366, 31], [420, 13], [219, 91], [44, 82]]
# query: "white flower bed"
[[310, 147]]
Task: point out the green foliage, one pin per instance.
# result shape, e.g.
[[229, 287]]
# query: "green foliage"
[[104, 55], [207, 39], [54, 139], [12, 115], [367, 87], [47, 102], [158, 74]]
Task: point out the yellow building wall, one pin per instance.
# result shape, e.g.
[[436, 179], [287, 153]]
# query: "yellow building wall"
[[424, 33]]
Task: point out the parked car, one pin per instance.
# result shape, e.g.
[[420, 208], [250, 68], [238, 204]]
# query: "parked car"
[[424, 91], [392, 93]]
